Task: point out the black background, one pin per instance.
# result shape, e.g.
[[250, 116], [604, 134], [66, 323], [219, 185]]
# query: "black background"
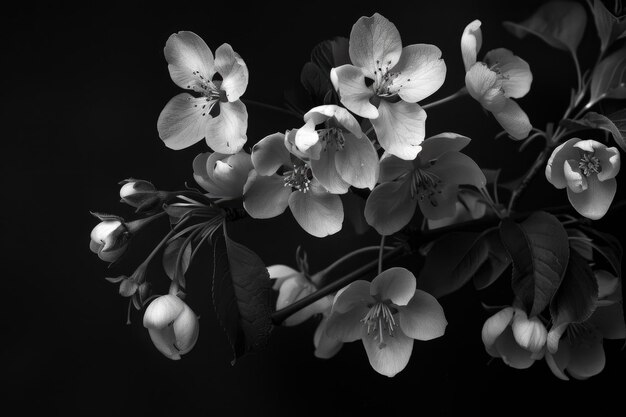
[[83, 88]]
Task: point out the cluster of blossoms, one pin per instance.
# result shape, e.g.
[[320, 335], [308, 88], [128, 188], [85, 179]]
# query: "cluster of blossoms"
[[361, 153]]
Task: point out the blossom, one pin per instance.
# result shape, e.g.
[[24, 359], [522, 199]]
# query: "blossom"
[[431, 181], [495, 81], [511, 335], [470, 206], [109, 238], [172, 325], [588, 169], [215, 111], [387, 315], [139, 194], [340, 154], [222, 175], [325, 346], [279, 180], [580, 352], [399, 76]]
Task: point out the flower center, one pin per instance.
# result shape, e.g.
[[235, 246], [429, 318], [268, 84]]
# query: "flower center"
[[425, 185], [333, 137], [589, 164], [299, 178], [379, 320], [208, 89], [384, 80]]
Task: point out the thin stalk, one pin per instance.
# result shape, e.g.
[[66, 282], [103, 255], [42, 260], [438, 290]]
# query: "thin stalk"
[[460, 93], [273, 108], [380, 254], [348, 256]]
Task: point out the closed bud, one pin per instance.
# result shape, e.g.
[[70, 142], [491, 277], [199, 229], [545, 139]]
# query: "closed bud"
[[172, 325], [222, 176], [139, 194], [109, 239]]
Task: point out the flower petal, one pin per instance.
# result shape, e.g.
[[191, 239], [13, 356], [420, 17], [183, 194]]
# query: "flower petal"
[[357, 162], [609, 161], [609, 321], [514, 120], [318, 212], [233, 70], [307, 312], [375, 44], [421, 72], [226, 132], [353, 92], [390, 207], [201, 176], [269, 154], [529, 333], [435, 146], [595, 201], [354, 295], [400, 128], [482, 85], [587, 358], [392, 167], [186, 330], [394, 284], [511, 353], [162, 311], [554, 167], [494, 326], [164, 340], [517, 77], [281, 273], [471, 42], [607, 283], [186, 53], [306, 137], [559, 360], [321, 114], [391, 356], [265, 197], [457, 168], [441, 204], [423, 318], [183, 121], [325, 347], [346, 327], [325, 171], [576, 181]]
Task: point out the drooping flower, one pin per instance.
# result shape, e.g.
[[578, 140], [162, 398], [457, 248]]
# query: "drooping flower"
[[514, 337], [215, 113], [222, 175], [172, 325], [431, 181], [495, 81], [280, 179], [398, 77], [139, 194], [387, 315], [470, 206], [588, 169], [578, 347], [109, 239]]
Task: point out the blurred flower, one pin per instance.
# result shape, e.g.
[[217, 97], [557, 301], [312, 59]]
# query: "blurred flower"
[[431, 180], [109, 239], [340, 154], [222, 176], [280, 180], [588, 169], [495, 81], [400, 77], [215, 113], [386, 314], [325, 346], [139, 194], [470, 206], [172, 325], [511, 335]]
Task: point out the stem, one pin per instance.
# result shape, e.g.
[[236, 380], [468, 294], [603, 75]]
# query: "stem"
[[348, 256], [458, 94], [280, 315], [274, 108], [534, 169], [380, 254], [578, 73]]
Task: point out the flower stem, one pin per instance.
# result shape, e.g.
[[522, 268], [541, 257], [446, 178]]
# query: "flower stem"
[[380, 254], [534, 169], [347, 256], [458, 94], [273, 108]]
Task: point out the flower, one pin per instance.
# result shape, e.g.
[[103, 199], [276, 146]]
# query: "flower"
[[109, 239], [139, 194], [340, 154], [588, 169], [325, 346], [470, 206], [581, 351], [222, 175], [431, 181], [400, 77], [215, 113], [280, 180], [386, 314], [511, 335], [495, 81], [172, 325]]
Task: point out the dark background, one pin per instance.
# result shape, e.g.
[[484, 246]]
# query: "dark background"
[[82, 92]]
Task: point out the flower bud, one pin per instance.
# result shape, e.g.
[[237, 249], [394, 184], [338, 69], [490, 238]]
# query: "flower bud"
[[109, 239], [139, 194], [529, 333], [222, 176], [172, 325]]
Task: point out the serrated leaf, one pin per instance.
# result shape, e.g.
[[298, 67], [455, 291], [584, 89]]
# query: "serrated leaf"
[[593, 120], [495, 264], [608, 79], [539, 250], [452, 261], [561, 24], [241, 295], [170, 256], [576, 298], [608, 26]]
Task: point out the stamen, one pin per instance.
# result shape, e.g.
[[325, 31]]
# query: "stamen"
[[425, 184], [333, 137], [299, 178], [589, 164], [378, 320]]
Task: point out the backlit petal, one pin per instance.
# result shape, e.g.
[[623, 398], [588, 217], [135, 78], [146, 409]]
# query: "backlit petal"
[[318, 212], [421, 72], [226, 133], [514, 120], [325, 171], [357, 162], [471, 42], [529, 333], [517, 77], [183, 121], [595, 201], [374, 43], [354, 295], [353, 92], [233, 70], [391, 356], [320, 114], [423, 318], [394, 284], [265, 197], [269, 154], [390, 207], [187, 53], [400, 128]]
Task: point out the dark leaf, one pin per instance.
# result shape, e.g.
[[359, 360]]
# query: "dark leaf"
[[539, 250], [580, 244], [609, 27], [561, 24], [241, 295], [452, 261], [315, 82], [171, 254], [576, 298], [496, 263], [331, 53], [619, 120], [594, 120], [608, 79]]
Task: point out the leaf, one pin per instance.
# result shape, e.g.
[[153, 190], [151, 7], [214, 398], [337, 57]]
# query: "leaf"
[[495, 264], [582, 246], [539, 250], [619, 120], [576, 298], [608, 26], [314, 81], [170, 255], [561, 24], [593, 120], [611, 249], [241, 296], [608, 79], [451, 262]]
